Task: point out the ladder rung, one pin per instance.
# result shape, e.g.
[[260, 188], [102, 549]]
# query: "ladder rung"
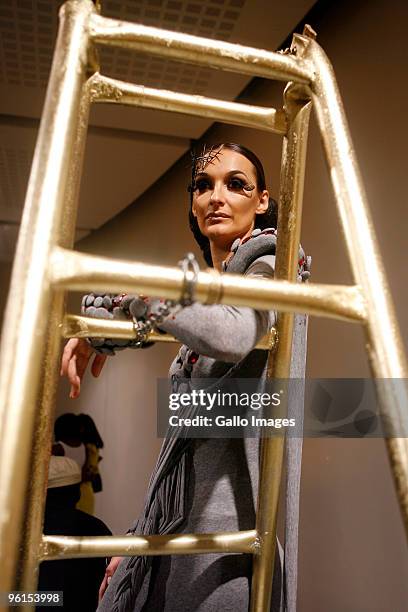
[[75, 326], [201, 51], [82, 272], [62, 547], [105, 89]]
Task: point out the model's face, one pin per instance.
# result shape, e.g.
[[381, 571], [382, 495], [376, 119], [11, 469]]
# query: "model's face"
[[226, 198]]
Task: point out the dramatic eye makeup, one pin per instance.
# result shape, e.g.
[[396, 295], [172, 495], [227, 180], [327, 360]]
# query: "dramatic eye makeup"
[[233, 180], [203, 184], [238, 184]]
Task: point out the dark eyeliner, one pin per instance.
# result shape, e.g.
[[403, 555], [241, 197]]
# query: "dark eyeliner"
[[202, 184], [241, 184]]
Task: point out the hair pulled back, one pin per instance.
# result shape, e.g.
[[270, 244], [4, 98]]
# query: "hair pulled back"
[[262, 221]]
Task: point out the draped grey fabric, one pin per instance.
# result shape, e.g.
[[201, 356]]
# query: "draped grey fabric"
[[210, 485]]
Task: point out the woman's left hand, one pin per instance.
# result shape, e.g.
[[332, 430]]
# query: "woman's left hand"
[[110, 570]]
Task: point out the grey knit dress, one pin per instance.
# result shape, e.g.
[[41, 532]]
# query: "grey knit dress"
[[204, 485]]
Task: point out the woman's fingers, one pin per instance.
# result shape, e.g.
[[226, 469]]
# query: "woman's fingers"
[[73, 377], [75, 359], [110, 570], [84, 353], [103, 587], [68, 351]]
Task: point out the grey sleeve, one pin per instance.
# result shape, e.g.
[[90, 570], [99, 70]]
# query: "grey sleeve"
[[225, 333]]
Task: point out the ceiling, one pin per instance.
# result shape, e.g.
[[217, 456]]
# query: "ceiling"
[[128, 149]]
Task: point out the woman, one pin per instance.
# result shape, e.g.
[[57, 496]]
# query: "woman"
[[204, 485]]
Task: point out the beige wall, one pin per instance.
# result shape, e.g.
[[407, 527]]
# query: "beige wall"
[[353, 553]]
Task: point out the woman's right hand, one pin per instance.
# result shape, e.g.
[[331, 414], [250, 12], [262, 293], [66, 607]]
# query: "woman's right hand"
[[75, 359], [110, 570]]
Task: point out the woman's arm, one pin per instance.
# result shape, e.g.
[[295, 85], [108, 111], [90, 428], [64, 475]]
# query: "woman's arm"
[[225, 333]]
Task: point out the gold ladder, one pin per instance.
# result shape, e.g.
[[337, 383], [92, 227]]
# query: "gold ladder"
[[46, 266]]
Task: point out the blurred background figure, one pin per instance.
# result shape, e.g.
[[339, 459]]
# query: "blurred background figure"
[[77, 437], [79, 579], [67, 437], [91, 478]]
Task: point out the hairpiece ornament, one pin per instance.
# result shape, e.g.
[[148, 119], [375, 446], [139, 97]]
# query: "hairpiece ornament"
[[200, 162], [146, 313]]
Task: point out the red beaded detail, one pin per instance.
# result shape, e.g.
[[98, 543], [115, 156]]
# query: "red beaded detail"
[[117, 300], [193, 358]]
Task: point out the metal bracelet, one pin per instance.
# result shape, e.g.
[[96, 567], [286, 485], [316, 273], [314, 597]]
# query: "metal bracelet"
[[105, 306], [188, 264]]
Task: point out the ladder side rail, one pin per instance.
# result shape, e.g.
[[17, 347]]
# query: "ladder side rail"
[[28, 318], [384, 344], [27, 576], [298, 106]]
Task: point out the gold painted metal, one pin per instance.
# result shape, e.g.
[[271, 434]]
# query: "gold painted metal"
[[61, 547], [104, 89], [27, 575], [215, 288], [81, 272], [27, 569], [297, 106], [85, 327], [45, 266], [201, 51], [32, 310], [384, 345]]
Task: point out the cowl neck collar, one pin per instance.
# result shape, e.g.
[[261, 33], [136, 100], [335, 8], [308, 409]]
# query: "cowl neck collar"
[[246, 251]]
